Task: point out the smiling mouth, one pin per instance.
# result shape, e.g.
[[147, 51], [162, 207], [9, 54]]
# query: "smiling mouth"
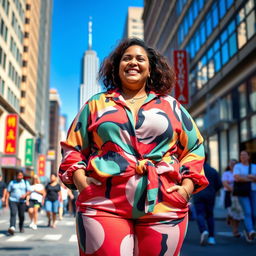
[[132, 71]]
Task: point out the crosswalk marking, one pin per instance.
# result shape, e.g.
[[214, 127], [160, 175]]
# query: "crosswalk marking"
[[19, 238], [52, 237], [227, 234], [3, 221], [73, 238], [1, 235]]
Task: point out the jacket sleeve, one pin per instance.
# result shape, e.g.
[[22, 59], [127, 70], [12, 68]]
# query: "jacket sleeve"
[[191, 152], [75, 150]]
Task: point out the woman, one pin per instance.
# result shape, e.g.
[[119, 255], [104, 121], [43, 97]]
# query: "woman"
[[35, 200], [246, 172], [135, 155], [235, 214], [51, 200], [65, 192]]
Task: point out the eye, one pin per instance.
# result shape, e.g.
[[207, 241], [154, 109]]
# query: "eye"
[[126, 58]]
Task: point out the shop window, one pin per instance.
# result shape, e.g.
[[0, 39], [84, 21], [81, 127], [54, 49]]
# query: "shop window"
[[244, 131], [252, 94], [253, 126], [242, 100], [233, 142], [223, 151], [213, 147]]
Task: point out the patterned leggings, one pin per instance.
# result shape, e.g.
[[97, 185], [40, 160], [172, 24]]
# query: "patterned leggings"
[[104, 234]]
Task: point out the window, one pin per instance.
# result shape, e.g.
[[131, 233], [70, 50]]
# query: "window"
[[24, 63], [28, 6], [242, 100], [23, 94], [252, 94], [244, 131], [24, 78], [213, 146], [22, 109], [250, 22], [25, 48], [233, 142], [2, 86], [222, 8], [27, 20], [253, 126], [215, 15], [26, 34]]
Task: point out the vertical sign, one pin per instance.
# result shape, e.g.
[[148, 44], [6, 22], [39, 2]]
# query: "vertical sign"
[[11, 134], [41, 165], [181, 70], [29, 152]]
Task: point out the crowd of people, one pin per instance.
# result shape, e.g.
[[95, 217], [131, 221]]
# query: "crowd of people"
[[22, 195], [240, 203]]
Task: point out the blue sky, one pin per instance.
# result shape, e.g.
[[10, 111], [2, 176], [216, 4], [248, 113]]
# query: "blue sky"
[[69, 41]]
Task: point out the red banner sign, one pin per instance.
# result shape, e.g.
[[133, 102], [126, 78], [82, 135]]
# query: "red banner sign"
[[181, 70], [11, 134], [41, 165]]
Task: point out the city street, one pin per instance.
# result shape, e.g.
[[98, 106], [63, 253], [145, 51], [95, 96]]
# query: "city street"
[[226, 244], [44, 241], [62, 240]]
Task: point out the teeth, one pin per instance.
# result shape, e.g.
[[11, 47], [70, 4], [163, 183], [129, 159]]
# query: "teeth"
[[132, 71]]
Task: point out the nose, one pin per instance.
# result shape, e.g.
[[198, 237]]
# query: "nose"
[[133, 62]]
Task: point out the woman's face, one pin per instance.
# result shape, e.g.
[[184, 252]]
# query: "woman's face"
[[134, 68], [53, 178]]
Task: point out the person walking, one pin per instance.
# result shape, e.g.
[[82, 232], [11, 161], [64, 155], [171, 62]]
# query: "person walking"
[[245, 172], [3, 192], [204, 205], [17, 191], [231, 203], [135, 155], [52, 199], [63, 206], [36, 196]]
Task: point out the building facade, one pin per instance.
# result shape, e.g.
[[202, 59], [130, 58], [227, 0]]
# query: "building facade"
[[20, 26], [54, 130], [89, 75], [134, 23], [220, 39]]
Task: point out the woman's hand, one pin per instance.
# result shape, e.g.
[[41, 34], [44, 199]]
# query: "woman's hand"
[[185, 189], [181, 190], [81, 181]]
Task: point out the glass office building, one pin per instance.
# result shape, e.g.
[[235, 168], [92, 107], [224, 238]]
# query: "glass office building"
[[220, 38]]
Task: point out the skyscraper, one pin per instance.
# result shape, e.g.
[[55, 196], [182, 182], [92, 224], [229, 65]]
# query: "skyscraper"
[[134, 23], [90, 67]]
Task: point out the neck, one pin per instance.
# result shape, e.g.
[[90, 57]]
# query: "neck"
[[245, 163], [128, 94]]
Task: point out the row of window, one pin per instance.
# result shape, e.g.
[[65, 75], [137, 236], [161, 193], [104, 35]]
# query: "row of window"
[[189, 19], [239, 30], [20, 10], [12, 99], [6, 5], [239, 104], [206, 27], [2, 58], [15, 51], [3, 30], [13, 74], [17, 28]]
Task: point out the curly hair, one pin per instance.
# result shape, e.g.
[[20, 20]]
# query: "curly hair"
[[162, 76]]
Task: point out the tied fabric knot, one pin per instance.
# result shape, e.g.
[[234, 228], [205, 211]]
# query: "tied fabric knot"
[[146, 167]]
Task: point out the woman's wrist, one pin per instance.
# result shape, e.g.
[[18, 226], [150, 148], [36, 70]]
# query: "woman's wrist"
[[188, 186]]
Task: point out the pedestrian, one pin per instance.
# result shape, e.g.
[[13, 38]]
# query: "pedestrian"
[[17, 191], [231, 203], [3, 192], [204, 205], [36, 196], [245, 172], [135, 155], [52, 199]]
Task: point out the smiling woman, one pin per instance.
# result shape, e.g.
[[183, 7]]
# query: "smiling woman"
[[135, 155]]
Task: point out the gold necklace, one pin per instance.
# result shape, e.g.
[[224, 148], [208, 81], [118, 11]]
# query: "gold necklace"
[[133, 100]]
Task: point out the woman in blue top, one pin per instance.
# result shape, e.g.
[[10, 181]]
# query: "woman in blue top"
[[17, 192]]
